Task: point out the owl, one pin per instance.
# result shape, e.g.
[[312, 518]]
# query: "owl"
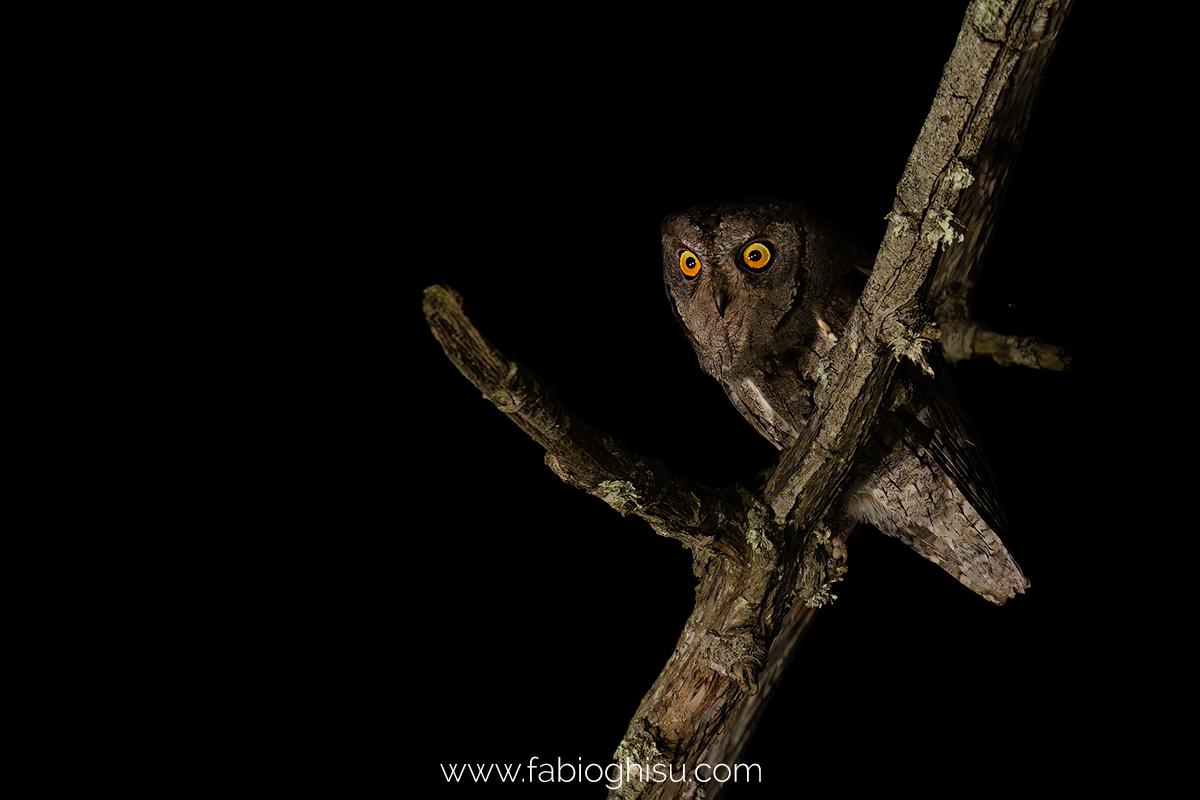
[[763, 290]]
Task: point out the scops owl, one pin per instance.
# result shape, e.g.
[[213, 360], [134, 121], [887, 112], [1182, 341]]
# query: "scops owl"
[[764, 290]]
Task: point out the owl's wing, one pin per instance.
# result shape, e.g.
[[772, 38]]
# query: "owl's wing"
[[942, 425], [929, 485], [755, 398]]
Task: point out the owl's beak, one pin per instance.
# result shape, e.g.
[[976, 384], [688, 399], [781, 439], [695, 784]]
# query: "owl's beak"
[[721, 299]]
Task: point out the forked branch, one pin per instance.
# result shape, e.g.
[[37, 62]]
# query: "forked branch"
[[765, 560]]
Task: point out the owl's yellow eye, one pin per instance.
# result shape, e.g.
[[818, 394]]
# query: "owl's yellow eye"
[[756, 255], [689, 263]]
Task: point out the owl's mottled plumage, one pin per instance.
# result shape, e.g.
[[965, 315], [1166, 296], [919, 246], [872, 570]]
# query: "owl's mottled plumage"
[[764, 290]]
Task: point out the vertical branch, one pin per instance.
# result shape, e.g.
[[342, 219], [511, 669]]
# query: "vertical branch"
[[970, 139]]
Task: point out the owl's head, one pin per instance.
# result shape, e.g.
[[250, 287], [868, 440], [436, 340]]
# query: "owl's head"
[[733, 270], [750, 279]]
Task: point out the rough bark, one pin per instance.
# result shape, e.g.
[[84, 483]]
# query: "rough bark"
[[766, 560]]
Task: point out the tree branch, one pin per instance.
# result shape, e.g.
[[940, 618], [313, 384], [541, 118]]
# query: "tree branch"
[[962, 340], [576, 452], [888, 320], [748, 571], [1025, 39]]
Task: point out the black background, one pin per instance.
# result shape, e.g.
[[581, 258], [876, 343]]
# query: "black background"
[[531, 615]]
